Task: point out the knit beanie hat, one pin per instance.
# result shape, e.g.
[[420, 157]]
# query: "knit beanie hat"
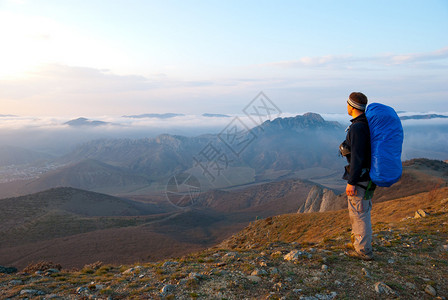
[[357, 100]]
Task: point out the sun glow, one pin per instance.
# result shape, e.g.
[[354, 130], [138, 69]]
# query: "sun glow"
[[31, 41]]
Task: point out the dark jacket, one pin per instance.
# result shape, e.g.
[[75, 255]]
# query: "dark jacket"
[[358, 141]]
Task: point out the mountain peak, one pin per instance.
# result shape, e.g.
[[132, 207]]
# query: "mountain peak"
[[306, 121], [85, 122]]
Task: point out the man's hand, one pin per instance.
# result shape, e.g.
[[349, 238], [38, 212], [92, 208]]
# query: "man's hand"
[[350, 190]]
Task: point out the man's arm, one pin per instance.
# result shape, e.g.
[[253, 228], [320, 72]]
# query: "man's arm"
[[359, 141]]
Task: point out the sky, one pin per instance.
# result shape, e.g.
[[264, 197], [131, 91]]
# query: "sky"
[[111, 58]]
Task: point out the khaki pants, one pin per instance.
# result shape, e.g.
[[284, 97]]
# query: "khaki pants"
[[359, 207]]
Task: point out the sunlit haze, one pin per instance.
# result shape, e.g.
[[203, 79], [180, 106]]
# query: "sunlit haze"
[[112, 58]]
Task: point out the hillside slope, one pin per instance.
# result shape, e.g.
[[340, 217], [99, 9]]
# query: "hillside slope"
[[294, 256], [419, 175]]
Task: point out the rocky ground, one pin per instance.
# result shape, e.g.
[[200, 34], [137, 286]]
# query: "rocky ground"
[[411, 262]]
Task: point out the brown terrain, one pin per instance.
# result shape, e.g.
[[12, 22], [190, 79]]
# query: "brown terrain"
[[290, 256], [79, 227]]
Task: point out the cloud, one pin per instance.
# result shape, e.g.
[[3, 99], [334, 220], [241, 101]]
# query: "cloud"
[[349, 61]]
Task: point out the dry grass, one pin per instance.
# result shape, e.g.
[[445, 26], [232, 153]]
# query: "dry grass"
[[316, 227]]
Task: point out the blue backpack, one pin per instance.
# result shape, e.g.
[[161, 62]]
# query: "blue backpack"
[[386, 138]]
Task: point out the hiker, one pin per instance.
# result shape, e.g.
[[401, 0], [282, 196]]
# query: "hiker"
[[359, 190]]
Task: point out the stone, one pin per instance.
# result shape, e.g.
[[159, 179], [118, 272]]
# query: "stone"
[[278, 286], [382, 288], [430, 290], [169, 263], [259, 272], [274, 270], [31, 292], [8, 270], [231, 255], [254, 278], [445, 247], [410, 285], [196, 275], [167, 289], [330, 296], [129, 271], [293, 255], [81, 289], [420, 214], [365, 272], [53, 296], [337, 282], [16, 282], [390, 261], [324, 268]]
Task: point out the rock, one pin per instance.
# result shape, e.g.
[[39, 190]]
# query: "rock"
[[31, 292], [293, 255], [274, 270], [169, 263], [321, 199], [420, 214], [8, 270], [390, 261], [324, 268], [410, 285], [254, 278], [430, 290], [128, 271], [53, 270], [231, 255], [53, 296], [278, 286], [16, 282], [365, 272], [196, 275], [382, 288], [167, 289], [330, 296], [259, 272], [445, 247], [337, 282], [81, 289]]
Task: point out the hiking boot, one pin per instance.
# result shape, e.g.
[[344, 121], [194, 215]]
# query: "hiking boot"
[[355, 254]]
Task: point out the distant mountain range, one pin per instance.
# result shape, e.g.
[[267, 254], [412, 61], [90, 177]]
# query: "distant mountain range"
[[215, 115], [158, 116], [423, 117], [85, 122], [117, 166]]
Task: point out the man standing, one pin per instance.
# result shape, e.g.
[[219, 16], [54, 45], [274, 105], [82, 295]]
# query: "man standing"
[[356, 148]]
